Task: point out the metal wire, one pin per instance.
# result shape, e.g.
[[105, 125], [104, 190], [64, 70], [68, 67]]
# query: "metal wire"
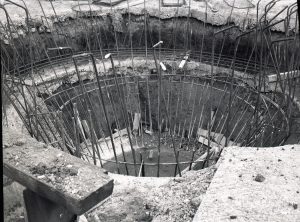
[[184, 112]]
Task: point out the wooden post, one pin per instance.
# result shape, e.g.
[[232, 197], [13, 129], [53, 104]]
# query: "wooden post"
[[42, 209], [136, 123]]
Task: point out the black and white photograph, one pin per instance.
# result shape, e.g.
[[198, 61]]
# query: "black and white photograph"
[[150, 110]]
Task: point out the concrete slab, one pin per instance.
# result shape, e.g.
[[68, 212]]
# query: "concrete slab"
[[53, 174], [254, 185]]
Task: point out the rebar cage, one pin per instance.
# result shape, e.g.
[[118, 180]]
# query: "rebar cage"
[[152, 107]]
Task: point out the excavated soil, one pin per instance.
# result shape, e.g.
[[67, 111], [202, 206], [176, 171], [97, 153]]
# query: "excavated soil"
[[154, 199]]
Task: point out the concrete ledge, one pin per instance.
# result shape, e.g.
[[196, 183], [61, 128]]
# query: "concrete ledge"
[[53, 174], [254, 185]]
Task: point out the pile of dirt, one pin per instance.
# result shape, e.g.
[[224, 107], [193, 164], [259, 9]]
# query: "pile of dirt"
[[148, 199], [187, 151]]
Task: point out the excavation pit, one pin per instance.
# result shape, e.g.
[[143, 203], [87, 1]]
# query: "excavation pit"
[[219, 65], [191, 107], [214, 89]]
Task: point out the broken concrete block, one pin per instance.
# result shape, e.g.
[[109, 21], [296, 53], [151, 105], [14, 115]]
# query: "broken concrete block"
[[205, 142], [148, 132], [202, 132], [220, 139], [122, 132], [81, 218]]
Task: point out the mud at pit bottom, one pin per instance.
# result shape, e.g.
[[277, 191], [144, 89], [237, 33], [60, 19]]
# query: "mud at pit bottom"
[[188, 150]]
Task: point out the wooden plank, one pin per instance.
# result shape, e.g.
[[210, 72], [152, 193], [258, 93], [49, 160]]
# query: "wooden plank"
[[173, 3], [150, 157], [284, 75], [204, 140], [85, 127], [57, 176], [107, 2], [136, 123]]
